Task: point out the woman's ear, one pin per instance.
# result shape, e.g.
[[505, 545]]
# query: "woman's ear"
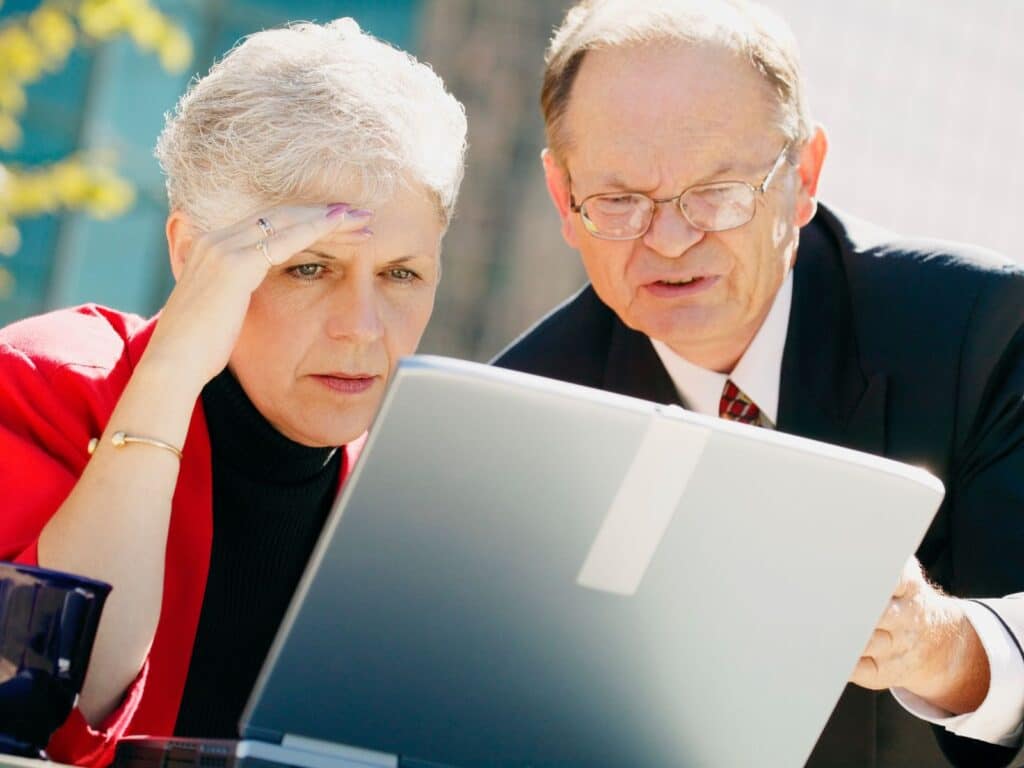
[[180, 235]]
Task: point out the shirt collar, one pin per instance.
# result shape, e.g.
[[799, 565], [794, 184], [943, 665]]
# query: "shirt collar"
[[757, 373]]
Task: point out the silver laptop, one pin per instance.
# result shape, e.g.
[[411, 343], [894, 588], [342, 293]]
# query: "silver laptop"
[[523, 572]]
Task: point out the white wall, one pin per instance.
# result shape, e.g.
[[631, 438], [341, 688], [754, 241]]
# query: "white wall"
[[924, 104]]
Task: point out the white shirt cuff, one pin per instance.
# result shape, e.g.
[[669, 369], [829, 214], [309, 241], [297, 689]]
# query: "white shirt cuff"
[[999, 718]]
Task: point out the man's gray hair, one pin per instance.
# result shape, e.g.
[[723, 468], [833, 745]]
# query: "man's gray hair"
[[290, 115], [750, 30]]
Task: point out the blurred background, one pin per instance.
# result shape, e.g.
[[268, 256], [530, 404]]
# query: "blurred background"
[[923, 100]]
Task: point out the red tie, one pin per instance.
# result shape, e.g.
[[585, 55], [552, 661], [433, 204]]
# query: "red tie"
[[736, 406]]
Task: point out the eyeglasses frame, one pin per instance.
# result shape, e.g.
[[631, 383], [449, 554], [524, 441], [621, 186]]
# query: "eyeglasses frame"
[[758, 191]]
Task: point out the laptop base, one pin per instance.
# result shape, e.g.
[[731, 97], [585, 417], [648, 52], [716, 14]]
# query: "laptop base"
[[148, 752]]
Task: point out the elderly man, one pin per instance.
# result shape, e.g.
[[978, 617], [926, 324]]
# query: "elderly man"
[[684, 166]]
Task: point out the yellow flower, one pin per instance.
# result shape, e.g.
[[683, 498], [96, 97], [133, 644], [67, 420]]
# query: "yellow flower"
[[10, 132], [19, 54], [175, 50], [128, 8], [71, 182], [100, 18], [10, 239], [31, 194], [42, 40], [148, 27], [5, 192], [53, 31], [12, 97], [110, 197]]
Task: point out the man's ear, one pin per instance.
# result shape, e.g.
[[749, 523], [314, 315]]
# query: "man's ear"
[[812, 158], [557, 179], [180, 235]]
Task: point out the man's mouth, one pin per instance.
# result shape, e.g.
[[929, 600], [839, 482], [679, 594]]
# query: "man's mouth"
[[680, 282], [682, 287]]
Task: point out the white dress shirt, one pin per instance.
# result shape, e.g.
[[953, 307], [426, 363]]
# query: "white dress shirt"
[[758, 374]]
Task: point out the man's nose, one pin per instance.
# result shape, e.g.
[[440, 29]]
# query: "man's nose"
[[355, 313], [670, 234]]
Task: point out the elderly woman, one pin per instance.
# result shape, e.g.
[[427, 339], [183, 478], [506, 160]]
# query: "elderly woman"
[[190, 460]]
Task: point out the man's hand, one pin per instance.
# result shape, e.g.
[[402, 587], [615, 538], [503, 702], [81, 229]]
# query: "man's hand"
[[925, 644]]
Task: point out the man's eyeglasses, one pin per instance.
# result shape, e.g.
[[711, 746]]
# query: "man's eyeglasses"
[[713, 207]]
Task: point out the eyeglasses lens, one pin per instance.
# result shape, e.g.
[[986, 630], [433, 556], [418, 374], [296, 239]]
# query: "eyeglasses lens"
[[618, 217], [717, 207], [713, 208]]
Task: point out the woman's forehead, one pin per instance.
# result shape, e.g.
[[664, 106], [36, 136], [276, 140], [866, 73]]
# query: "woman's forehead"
[[403, 224]]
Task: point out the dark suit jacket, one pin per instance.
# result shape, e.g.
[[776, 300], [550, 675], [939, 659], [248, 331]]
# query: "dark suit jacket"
[[912, 350]]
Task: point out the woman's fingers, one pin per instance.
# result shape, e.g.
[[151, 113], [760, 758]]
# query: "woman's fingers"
[[286, 230], [346, 222]]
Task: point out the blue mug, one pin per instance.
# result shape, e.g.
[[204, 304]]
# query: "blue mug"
[[48, 622]]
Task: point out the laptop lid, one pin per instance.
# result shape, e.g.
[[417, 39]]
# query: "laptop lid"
[[526, 572]]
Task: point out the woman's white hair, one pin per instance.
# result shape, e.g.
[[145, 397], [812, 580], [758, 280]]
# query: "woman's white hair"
[[294, 114]]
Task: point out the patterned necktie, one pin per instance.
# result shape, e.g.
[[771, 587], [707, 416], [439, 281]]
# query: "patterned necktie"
[[736, 406]]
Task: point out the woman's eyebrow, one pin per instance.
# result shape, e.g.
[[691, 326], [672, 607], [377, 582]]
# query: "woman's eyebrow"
[[397, 260], [319, 254]]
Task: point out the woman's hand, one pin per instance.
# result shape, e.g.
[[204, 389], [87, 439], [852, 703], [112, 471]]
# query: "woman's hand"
[[203, 317]]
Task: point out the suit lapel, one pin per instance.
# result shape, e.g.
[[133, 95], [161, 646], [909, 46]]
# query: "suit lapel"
[[633, 367], [824, 392], [826, 395]]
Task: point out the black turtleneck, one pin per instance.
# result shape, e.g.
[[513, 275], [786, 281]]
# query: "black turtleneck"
[[270, 499]]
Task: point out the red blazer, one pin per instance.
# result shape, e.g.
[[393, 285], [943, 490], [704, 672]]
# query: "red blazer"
[[61, 375]]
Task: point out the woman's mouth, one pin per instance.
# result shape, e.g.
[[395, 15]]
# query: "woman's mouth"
[[347, 383]]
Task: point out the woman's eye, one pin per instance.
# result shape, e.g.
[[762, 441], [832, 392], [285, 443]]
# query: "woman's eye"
[[307, 271]]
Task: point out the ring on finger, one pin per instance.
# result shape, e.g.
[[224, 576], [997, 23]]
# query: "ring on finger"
[[261, 246], [265, 226]]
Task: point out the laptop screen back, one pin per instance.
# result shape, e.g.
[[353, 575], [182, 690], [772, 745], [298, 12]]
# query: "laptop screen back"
[[463, 605]]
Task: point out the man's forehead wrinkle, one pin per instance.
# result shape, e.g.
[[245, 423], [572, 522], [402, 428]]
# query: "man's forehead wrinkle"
[[669, 164], [669, 91], [661, 145]]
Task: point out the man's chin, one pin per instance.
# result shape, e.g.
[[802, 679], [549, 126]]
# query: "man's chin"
[[683, 328]]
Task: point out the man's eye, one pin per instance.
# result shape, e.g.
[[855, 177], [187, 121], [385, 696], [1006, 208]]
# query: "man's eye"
[[402, 275], [613, 205], [306, 271]]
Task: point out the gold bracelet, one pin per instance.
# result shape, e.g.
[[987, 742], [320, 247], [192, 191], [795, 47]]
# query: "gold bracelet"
[[121, 439]]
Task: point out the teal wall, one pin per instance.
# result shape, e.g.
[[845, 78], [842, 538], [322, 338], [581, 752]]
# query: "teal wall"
[[114, 97]]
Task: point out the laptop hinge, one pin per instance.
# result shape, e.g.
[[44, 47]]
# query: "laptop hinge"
[[261, 734], [365, 757]]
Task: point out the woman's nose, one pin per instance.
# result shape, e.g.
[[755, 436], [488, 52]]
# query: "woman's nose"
[[355, 314]]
